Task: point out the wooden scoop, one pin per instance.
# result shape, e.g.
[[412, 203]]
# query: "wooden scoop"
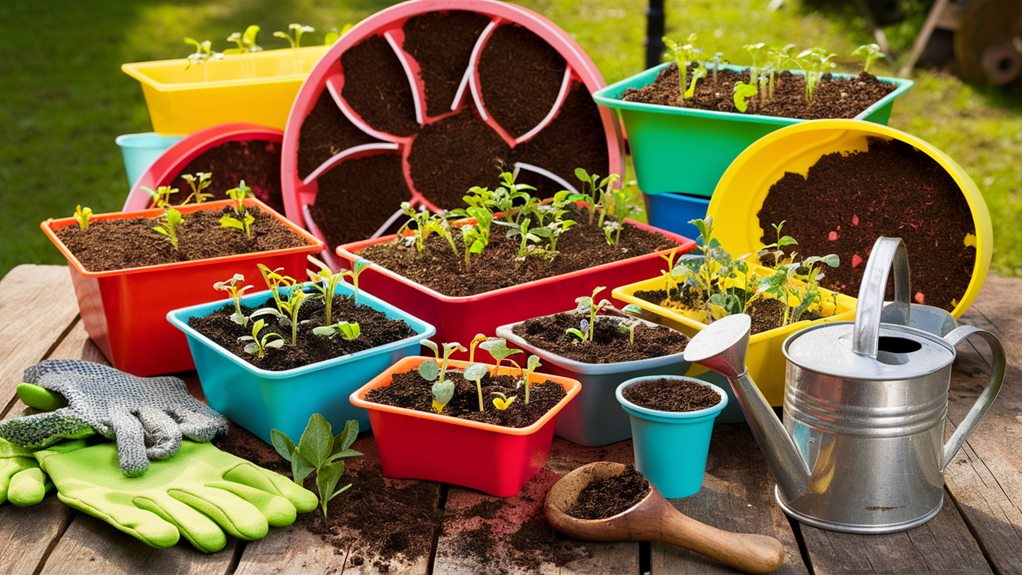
[[654, 519]]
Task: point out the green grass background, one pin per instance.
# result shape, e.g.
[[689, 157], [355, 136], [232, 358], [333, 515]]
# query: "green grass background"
[[64, 98]]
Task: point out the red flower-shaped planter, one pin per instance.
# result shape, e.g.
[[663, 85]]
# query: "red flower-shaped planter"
[[428, 98]]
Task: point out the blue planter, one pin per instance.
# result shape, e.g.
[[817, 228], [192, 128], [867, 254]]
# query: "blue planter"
[[673, 212], [141, 150], [671, 447], [260, 400]]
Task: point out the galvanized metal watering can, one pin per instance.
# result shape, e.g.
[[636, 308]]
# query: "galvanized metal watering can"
[[861, 448]]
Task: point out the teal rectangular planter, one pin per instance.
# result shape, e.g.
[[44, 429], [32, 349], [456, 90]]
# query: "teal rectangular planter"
[[260, 400], [685, 150]]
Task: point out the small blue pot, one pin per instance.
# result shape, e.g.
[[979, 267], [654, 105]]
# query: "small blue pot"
[[260, 400], [673, 212], [141, 150], [671, 447]]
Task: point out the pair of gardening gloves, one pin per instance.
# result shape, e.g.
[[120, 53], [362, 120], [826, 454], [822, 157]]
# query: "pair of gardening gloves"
[[134, 484]]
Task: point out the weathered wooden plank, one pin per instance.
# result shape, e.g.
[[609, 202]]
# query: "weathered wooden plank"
[[737, 495], [38, 307], [484, 534]]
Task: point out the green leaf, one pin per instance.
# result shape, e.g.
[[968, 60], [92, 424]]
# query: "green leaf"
[[300, 467], [347, 436], [429, 370], [345, 454], [632, 309], [532, 363], [317, 441], [282, 443], [231, 222], [339, 491], [443, 391], [497, 347], [326, 480], [476, 371]]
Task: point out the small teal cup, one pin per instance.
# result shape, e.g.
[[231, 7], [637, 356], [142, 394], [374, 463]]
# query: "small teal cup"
[[141, 150], [671, 447]]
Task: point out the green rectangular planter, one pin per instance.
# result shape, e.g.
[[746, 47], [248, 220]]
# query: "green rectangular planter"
[[704, 142]]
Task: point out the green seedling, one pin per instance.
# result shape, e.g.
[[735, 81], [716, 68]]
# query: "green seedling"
[[426, 224], [437, 371], [275, 280], [476, 372], [553, 232], [325, 282], [319, 451], [587, 306], [169, 222], [742, 93], [869, 53], [287, 310], [620, 204], [243, 222], [245, 41], [718, 63], [508, 193], [475, 237], [815, 63], [593, 193], [697, 74], [334, 35], [358, 267], [234, 288], [526, 240], [502, 401], [531, 365], [198, 182], [203, 52], [82, 216], [348, 330], [442, 391], [757, 52], [498, 349], [683, 56], [161, 195], [259, 343], [294, 34], [479, 338], [670, 281], [778, 57], [628, 327]]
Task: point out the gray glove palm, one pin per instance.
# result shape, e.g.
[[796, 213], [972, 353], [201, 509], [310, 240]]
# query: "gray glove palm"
[[147, 417]]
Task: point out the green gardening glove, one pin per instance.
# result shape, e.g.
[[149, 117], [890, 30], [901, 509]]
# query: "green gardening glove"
[[201, 494], [21, 481]]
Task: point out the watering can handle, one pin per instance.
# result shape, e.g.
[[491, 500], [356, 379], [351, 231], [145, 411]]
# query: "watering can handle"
[[966, 427], [886, 251]]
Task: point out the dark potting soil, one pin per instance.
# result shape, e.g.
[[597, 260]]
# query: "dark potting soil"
[[325, 133], [520, 76], [132, 243], [582, 246], [255, 161], [376, 87], [377, 330], [409, 390], [357, 196], [671, 395], [442, 43], [890, 190], [766, 313], [603, 498], [609, 344], [834, 97], [453, 154]]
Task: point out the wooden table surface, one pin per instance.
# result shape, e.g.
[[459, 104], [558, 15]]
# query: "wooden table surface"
[[979, 529]]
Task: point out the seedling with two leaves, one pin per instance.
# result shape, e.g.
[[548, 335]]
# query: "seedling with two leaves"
[[242, 218], [683, 55], [161, 195], [245, 41], [436, 371], [198, 182], [426, 224], [319, 451], [203, 52], [294, 34], [235, 290], [325, 281], [259, 342], [168, 224], [82, 216], [587, 306], [287, 310]]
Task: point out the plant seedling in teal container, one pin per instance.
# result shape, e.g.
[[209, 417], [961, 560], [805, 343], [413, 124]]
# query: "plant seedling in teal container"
[[235, 290], [348, 330], [259, 342], [683, 55], [319, 451]]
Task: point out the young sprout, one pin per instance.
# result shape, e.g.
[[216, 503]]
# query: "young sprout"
[[198, 182], [588, 305], [239, 194], [683, 55], [507, 194], [778, 56], [348, 330], [526, 239], [869, 53], [697, 74], [437, 371], [161, 195], [619, 203], [258, 344], [321, 452], [629, 326], [756, 51], [476, 372], [498, 349], [426, 224], [718, 63], [479, 338], [294, 34], [246, 41], [170, 220], [475, 237], [83, 215], [275, 280], [502, 401], [360, 266], [325, 281], [530, 367], [442, 391], [287, 311], [815, 62], [235, 290], [742, 93], [203, 52], [668, 274], [241, 219]]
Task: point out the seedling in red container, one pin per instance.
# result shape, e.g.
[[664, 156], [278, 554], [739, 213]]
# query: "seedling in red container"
[[235, 290], [530, 366], [241, 219], [83, 215], [502, 401], [476, 372], [171, 219], [161, 195], [258, 342], [426, 224], [198, 182]]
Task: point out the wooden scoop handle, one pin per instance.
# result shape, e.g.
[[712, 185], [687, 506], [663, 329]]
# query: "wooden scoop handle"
[[747, 552]]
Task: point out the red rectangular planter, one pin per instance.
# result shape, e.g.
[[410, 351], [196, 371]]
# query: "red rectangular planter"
[[419, 445], [124, 311], [460, 318]]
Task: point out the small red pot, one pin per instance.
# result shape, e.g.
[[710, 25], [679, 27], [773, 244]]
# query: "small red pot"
[[125, 311], [493, 459], [460, 318]]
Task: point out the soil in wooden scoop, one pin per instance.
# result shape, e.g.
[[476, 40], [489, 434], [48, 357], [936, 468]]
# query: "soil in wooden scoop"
[[325, 133], [766, 313], [358, 196], [582, 246], [451, 155], [520, 76], [442, 43], [890, 190], [376, 87], [377, 330], [671, 395], [255, 161], [834, 98], [409, 390], [607, 497], [609, 344], [132, 243]]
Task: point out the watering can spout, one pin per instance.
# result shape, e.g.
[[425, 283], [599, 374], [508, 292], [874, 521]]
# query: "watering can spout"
[[721, 347]]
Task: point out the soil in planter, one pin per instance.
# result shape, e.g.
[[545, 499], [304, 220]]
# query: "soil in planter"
[[410, 391], [890, 190], [834, 98], [442, 43], [671, 395], [325, 133], [609, 343], [607, 497], [520, 76], [358, 196], [376, 87], [766, 313], [255, 161], [377, 330], [582, 246], [132, 243]]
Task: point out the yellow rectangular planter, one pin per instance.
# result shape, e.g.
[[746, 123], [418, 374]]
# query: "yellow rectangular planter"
[[765, 360], [257, 88]]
